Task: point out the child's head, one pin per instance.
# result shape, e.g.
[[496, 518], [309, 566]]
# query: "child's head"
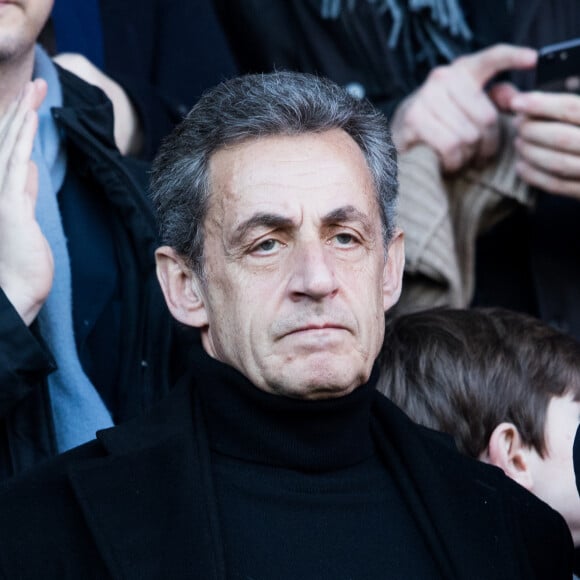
[[505, 385]]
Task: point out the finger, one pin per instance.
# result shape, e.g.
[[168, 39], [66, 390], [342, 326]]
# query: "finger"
[[548, 181], [444, 104], [32, 95], [431, 126], [15, 125], [558, 163], [452, 152], [31, 186], [16, 176], [488, 144], [469, 97], [502, 94], [12, 111], [7, 117], [447, 95], [40, 89], [485, 64], [557, 106], [551, 135], [433, 132], [479, 111]]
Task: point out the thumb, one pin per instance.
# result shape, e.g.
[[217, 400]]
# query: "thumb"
[[502, 94], [485, 64]]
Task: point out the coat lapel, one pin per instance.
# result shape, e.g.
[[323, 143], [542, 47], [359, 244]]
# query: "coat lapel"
[[144, 503]]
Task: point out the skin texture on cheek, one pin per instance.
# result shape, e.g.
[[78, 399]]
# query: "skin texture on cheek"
[[554, 479]]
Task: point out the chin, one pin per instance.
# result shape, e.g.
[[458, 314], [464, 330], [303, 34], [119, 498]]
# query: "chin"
[[317, 394], [320, 381], [312, 392]]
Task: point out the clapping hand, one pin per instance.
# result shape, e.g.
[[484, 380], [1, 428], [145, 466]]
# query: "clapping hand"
[[26, 263]]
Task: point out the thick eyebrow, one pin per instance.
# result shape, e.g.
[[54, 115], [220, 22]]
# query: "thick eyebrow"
[[348, 213], [260, 220]]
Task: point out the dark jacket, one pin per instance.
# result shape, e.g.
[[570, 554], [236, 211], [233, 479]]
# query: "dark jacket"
[[134, 504], [123, 330]]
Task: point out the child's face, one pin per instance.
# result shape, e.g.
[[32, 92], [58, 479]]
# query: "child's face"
[[553, 475]]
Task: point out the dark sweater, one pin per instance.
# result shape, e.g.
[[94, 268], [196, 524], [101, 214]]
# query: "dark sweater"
[[298, 481]]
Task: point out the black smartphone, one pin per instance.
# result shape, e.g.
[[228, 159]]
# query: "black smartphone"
[[558, 68]]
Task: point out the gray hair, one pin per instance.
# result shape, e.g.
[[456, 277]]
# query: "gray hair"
[[250, 107]]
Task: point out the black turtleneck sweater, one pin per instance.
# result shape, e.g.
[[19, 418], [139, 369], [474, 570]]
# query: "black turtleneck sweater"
[[299, 489]]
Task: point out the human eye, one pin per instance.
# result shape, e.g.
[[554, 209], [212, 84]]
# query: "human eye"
[[266, 247], [345, 239]]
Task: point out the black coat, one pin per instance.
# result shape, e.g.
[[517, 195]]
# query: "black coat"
[[133, 504], [135, 340]]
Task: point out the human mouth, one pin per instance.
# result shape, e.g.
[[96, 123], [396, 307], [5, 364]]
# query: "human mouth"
[[315, 330], [314, 327], [333, 324], [310, 338]]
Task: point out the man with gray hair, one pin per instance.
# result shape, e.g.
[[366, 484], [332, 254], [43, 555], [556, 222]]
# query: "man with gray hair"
[[276, 457]]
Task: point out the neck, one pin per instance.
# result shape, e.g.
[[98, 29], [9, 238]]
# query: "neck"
[[293, 433], [14, 74]]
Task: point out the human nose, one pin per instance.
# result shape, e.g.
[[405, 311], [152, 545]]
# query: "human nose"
[[313, 273]]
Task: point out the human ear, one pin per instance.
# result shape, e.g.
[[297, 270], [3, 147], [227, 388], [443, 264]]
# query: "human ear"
[[181, 287], [506, 450], [393, 270]]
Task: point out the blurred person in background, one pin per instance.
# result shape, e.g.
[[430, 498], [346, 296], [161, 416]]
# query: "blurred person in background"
[[503, 384], [85, 337]]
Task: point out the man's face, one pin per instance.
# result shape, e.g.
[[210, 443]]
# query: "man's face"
[[297, 278], [20, 24], [554, 480]]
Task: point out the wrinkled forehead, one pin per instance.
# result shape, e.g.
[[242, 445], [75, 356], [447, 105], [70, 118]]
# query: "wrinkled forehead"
[[315, 170]]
